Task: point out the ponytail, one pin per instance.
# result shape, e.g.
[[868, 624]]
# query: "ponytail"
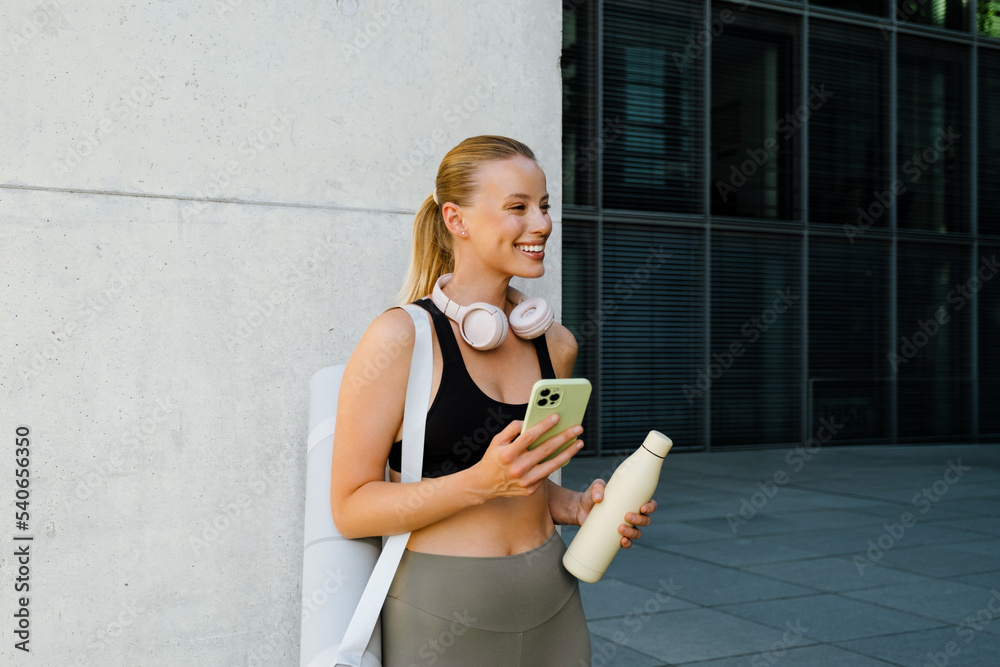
[[431, 255]]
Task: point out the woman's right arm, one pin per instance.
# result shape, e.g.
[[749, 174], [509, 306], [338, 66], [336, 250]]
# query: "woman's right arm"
[[369, 413]]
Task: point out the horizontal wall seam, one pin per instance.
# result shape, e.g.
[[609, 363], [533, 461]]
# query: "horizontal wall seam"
[[242, 202]]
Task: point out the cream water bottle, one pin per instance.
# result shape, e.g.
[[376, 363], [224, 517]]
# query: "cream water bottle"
[[595, 545]]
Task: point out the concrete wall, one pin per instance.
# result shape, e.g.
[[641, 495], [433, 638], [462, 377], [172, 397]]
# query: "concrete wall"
[[201, 204]]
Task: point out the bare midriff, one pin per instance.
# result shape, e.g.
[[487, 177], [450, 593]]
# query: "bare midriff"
[[498, 527]]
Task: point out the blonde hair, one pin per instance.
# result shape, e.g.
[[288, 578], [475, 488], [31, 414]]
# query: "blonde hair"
[[431, 255]]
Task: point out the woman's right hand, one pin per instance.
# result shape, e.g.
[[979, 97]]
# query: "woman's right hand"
[[509, 470]]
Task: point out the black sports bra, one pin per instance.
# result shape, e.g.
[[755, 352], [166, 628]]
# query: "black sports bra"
[[462, 420]]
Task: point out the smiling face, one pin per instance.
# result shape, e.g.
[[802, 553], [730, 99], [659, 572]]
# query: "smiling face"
[[508, 222]]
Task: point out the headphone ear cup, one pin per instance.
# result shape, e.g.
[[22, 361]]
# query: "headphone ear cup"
[[484, 327], [531, 318]]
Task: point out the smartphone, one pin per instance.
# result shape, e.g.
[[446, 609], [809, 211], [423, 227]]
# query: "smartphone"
[[566, 396]]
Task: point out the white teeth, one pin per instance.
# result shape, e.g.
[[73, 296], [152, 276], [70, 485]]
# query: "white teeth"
[[532, 248]]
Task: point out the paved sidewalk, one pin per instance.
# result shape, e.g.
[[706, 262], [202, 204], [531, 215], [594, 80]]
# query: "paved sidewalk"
[[855, 556]]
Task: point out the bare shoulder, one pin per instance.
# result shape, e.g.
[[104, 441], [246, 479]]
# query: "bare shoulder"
[[384, 351], [562, 349]]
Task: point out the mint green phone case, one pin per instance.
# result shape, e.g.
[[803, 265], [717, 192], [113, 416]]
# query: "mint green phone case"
[[566, 396]]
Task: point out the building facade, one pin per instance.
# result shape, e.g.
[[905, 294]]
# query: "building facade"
[[780, 220]]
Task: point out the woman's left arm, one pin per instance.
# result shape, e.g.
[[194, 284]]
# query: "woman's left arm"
[[570, 508]]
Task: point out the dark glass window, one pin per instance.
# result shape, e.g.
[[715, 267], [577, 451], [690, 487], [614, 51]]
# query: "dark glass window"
[[652, 106], [989, 343], [755, 363], [582, 314], [933, 141], [580, 147], [848, 139], [651, 340], [848, 333], [756, 117], [951, 14], [932, 346], [989, 141]]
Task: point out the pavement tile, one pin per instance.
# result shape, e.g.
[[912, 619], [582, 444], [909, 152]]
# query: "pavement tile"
[[697, 582], [683, 636], [666, 533], [935, 561], [980, 506], [612, 597], [820, 655], [988, 580], [835, 574], [986, 525], [984, 547], [935, 512], [830, 618], [945, 600], [927, 646], [741, 551], [605, 653]]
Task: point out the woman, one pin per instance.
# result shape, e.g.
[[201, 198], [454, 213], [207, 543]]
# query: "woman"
[[481, 582]]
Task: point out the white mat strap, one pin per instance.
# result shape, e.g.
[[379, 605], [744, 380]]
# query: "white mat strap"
[[418, 395]]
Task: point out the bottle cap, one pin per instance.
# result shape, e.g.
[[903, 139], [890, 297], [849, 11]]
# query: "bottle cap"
[[658, 444]]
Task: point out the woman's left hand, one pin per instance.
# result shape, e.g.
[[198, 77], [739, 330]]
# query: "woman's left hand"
[[595, 494]]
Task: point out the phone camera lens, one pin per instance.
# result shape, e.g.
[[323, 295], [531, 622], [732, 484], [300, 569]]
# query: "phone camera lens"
[[543, 392], [542, 402]]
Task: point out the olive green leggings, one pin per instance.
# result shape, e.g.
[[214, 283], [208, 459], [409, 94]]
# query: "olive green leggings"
[[508, 611]]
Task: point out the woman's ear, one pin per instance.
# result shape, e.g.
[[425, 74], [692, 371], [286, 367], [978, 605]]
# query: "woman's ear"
[[452, 214]]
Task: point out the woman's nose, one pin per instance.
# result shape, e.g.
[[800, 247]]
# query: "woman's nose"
[[540, 222]]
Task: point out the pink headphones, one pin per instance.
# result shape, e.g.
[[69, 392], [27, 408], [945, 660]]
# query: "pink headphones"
[[484, 326]]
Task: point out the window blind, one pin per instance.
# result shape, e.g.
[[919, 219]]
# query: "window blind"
[[653, 89], [848, 137], [933, 341], [933, 142], [754, 372], [849, 306]]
